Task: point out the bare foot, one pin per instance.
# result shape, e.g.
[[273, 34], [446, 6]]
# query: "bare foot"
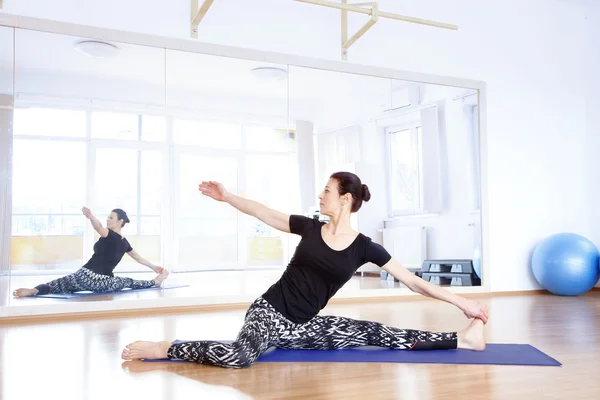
[[161, 277], [472, 337], [25, 292], [145, 350]]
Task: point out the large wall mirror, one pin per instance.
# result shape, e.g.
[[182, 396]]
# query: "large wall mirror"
[[134, 127]]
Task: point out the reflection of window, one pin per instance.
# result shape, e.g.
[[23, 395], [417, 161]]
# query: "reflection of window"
[[48, 186], [260, 138], [406, 159], [49, 122], [475, 197], [206, 230], [130, 179], [131, 166], [121, 126], [127, 126], [270, 180], [207, 134]]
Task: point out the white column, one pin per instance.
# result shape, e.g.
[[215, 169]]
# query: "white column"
[[306, 164]]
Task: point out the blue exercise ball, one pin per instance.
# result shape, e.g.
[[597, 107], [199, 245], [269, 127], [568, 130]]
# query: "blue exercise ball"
[[566, 264]]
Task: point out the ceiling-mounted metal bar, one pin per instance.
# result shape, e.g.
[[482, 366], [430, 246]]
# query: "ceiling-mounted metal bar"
[[363, 30], [344, 31], [367, 11], [197, 14]]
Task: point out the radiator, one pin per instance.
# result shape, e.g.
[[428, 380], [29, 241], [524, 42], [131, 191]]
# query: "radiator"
[[407, 244]]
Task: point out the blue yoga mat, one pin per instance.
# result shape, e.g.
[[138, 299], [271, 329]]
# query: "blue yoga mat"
[[494, 354], [87, 294]]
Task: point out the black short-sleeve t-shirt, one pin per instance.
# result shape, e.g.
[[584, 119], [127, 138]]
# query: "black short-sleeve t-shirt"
[[108, 252], [316, 271]]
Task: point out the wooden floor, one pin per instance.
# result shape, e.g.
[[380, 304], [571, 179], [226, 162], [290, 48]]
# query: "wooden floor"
[[80, 359]]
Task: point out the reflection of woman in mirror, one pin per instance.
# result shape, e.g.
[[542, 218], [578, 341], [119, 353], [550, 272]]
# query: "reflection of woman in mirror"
[[286, 315], [97, 274]]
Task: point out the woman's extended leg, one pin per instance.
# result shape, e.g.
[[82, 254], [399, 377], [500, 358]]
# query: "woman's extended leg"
[[331, 332], [86, 280], [103, 283], [67, 284], [252, 340]]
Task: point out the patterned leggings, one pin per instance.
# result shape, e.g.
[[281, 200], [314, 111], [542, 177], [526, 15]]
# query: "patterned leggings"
[[86, 280], [265, 327]]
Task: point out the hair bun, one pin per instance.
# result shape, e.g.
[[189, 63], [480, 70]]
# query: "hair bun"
[[366, 195]]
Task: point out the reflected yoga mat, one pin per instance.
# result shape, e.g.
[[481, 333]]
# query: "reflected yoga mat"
[[494, 354], [87, 294]]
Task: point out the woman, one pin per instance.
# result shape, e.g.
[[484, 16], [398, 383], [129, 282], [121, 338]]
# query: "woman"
[[97, 274], [327, 256]]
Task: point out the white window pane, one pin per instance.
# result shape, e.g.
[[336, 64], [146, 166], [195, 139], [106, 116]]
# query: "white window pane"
[[39, 225], [260, 138], [195, 169], [147, 225], [207, 243], [151, 188], [207, 134], [271, 180], [420, 171], [48, 176], [207, 230], [154, 128], [404, 171], [49, 122], [115, 186], [150, 226], [108, 125]]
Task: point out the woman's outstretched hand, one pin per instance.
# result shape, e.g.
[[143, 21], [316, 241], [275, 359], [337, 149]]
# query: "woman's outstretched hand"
[[87, 212], [474, 309], [213, 189]]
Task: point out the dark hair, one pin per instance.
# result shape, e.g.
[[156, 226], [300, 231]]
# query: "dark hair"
[[350, 183], [121, 215]]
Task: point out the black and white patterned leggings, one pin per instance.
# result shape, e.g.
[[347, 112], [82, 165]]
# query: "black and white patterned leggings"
[[265, 327], [85, 280]]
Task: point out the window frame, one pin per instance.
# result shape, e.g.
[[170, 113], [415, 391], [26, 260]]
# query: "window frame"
[[415, 129]]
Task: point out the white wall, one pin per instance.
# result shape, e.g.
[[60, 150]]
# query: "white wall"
[[592, 64], [534, 67]]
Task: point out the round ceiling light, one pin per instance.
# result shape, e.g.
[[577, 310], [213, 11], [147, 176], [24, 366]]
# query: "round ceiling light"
[[270, 74], [96, 49]]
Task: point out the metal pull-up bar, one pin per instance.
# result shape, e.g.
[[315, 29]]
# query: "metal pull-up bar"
[[375, 13], [198, 13], [361, 10]]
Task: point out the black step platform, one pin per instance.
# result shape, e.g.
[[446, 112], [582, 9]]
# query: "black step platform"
[[452, 272]]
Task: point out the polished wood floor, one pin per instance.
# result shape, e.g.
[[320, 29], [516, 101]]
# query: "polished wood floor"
[[80, 359]]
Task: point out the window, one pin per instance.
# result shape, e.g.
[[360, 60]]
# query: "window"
[[131, 179], [49, 122], [109, 125], [260, 138], [206, 230], [475, 196], [414, 159], [128, 126], [49, 184], [406, 169], [272, 181], [207, 134], [67, 159]]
